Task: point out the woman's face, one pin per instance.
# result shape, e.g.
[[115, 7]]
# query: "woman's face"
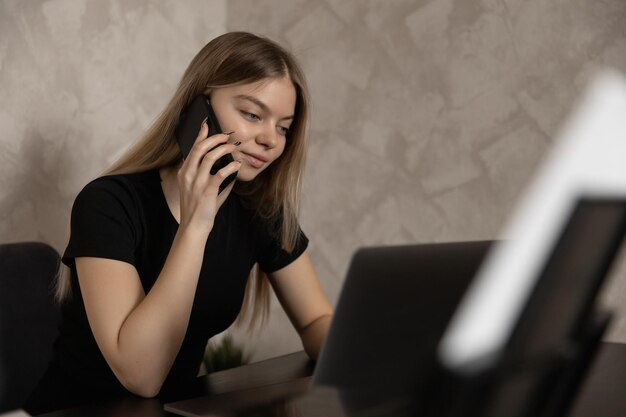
[[260, 114]]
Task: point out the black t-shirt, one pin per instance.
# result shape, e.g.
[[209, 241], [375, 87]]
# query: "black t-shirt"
[[126, 218]]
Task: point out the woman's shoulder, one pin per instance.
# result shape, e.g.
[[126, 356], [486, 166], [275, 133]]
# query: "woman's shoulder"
[[135, 179], [124, 189], [123, 182]]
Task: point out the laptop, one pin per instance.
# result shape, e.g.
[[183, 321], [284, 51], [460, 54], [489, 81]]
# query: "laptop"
[[394, 306]]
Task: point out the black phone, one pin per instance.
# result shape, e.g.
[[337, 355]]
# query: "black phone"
[[188, 127]]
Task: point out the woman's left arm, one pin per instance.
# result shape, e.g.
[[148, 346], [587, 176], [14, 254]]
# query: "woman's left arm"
[[303, 299]]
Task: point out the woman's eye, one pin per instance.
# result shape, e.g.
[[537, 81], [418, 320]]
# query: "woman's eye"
[[282, 130], [249, 116]]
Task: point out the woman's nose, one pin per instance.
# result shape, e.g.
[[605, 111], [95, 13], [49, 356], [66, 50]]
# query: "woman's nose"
[[267, 137]]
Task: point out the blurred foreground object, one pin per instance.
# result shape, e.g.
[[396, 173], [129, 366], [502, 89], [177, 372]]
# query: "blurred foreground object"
[[587, 161], [524, 335]]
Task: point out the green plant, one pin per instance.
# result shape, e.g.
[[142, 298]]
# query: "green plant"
[[223, 355]]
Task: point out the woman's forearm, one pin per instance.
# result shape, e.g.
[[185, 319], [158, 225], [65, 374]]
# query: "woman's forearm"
[[314, 334], [153, 332]]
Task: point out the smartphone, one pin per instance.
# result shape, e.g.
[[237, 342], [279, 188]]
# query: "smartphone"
[[187, 131]]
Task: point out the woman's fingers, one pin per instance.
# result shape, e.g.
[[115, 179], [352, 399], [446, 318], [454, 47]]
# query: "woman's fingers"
[[204, 145], [210, 183], [196, 177], [199, 150], [209, 164], [202, 135], [221, 197]]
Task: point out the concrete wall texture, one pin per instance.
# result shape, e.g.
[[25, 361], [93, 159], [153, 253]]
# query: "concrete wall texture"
[[428, 119]]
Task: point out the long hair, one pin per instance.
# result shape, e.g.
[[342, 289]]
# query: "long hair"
[[232, 59]]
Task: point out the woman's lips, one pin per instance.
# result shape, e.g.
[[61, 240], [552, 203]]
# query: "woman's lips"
[[254, 160]]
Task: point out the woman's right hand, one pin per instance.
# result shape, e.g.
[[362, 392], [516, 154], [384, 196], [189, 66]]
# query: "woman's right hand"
[[200, 198]]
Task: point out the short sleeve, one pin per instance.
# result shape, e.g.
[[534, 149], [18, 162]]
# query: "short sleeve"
[[103, 223], [271, 256]]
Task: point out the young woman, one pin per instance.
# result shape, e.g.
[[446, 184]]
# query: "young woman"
[[160, 260]]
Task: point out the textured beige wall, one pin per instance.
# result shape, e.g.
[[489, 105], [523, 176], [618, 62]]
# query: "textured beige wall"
[[428, 118], [79, 81]]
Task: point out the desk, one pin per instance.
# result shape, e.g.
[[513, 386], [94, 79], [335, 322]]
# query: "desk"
[[603, 393], [281, 372]]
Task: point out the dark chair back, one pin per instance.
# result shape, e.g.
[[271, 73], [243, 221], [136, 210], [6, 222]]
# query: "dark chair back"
[[29, 317]]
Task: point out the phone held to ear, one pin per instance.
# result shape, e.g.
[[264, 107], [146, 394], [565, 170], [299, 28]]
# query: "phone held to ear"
[[187, 131]]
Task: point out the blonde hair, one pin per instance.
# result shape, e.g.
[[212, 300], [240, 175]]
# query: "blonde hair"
[[231, 59]]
